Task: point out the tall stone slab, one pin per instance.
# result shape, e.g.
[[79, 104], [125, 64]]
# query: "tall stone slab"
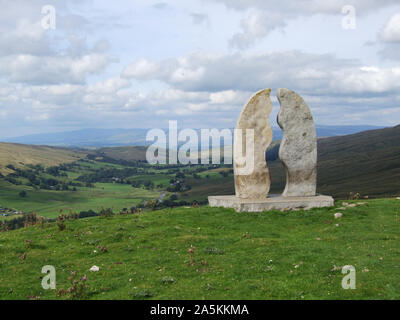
[[298, 152], [298, 149], [255, 115]]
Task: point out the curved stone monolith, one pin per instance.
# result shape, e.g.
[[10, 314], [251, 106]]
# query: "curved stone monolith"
[[254, 184], [298, 149]]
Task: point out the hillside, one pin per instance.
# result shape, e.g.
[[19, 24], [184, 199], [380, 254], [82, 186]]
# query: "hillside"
[[367, 162], [129, 153], [269, 255], [86, 138], [19, 155]]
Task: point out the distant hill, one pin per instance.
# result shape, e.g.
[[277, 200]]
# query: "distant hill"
[[86, 138], [367, 162], [129, 153], [137, 137], [19, 155]]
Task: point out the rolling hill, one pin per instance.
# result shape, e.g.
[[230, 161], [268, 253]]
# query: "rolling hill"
[[367, 162], [129, 153], [86, 138], [266, 255], [19, 155]]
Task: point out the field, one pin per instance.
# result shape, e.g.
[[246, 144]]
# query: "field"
[[104, 192], [48, 203], [269, 255], [21, 155]]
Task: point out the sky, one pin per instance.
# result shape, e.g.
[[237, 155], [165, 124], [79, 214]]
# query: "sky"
[[141, 63]]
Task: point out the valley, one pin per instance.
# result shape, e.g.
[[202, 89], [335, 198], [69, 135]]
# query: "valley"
[[51, 179]]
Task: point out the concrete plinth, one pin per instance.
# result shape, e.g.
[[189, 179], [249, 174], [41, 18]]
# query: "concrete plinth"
[[273, 202]]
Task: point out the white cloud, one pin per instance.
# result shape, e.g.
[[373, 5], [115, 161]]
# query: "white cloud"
[[90, 63], [26, 68], [302, 7], [140, 69], [31, 54], [256, 26], [262, 17], [246, 72], [109, 86], [309, 73], [391, 31], [26, 38], [367, 79], [62, 90], [64, 77], [55, 95], [224, 97], [183, 74]]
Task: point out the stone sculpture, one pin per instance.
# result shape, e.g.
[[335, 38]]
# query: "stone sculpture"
[[255, 115], [298, 152], [298, 149]]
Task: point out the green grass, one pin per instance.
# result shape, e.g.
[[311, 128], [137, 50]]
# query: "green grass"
[[48, 202], [156, 178], [11, 217], [202, 188], [269, 255]]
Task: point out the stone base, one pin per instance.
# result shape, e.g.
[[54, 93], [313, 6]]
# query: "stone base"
[[273, 202]]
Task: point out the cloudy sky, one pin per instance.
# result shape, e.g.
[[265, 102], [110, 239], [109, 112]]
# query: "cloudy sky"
[[140, 63]]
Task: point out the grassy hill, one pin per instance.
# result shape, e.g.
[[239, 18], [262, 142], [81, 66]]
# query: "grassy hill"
[[269, 255], [367, 162], [47, 202], [132, 153], [20, 155]]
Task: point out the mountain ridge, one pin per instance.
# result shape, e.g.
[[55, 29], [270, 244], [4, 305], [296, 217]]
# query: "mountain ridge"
[[96, 138]]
